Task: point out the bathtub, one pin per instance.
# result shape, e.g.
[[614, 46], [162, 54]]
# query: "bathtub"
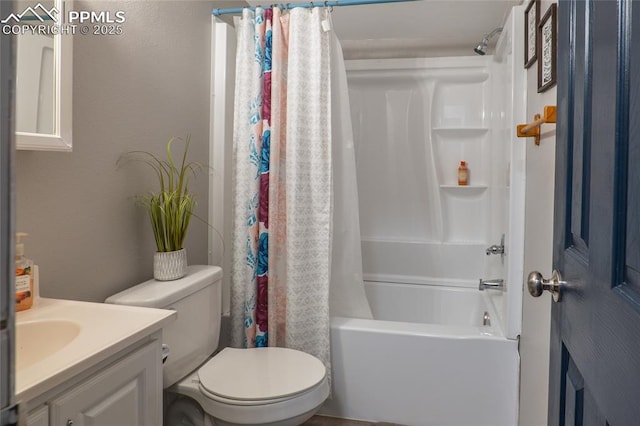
[[432, 355]]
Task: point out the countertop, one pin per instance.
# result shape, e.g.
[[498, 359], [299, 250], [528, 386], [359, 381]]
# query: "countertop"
[[98, 331]]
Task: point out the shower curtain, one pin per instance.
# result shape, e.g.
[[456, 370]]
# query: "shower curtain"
[[296, 231]]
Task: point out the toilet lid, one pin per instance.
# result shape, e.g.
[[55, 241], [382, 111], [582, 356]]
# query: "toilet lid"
[[260, 373]]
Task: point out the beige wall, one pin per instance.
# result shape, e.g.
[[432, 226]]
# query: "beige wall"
[[536, 312], [132, 91]]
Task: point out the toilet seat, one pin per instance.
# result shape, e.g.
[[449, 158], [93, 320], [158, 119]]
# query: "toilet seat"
[[259, 376], [305, 390]]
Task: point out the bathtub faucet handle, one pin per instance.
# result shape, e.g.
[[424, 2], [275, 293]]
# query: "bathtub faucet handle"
[[497, 284], [496, 249]]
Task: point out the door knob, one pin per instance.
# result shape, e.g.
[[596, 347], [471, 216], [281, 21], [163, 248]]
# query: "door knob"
[[537, 284]]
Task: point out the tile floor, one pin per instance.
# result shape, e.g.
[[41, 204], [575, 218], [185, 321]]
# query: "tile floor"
[[332, 421]]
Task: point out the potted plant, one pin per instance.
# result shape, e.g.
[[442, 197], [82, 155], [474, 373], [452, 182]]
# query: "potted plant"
[[170, 209]]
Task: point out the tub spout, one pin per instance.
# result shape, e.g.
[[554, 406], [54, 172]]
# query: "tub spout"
[[497, 284]]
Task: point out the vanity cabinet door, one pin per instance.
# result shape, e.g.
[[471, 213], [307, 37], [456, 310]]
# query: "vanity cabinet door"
[[128, 392], [39, 417]]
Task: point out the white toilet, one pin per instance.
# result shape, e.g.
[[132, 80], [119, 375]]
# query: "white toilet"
[[262, 386]]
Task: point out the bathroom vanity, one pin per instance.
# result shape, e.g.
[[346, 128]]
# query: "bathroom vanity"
[[81, 363]]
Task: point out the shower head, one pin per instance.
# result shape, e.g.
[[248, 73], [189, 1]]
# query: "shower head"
[[481, 48]]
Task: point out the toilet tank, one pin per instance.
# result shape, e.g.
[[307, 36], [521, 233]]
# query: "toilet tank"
[[193, 336]]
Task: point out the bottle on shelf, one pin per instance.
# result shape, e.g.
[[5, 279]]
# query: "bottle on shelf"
[[463, 174]]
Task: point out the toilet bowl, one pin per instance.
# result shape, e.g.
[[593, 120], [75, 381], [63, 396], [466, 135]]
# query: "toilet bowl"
[[258, 386]]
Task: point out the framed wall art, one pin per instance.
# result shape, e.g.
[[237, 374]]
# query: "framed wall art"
[[547, 41], [531, 21]]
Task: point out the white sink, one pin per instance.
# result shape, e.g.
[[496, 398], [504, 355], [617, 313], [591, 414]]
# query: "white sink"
[[37, 340], [59, 339]]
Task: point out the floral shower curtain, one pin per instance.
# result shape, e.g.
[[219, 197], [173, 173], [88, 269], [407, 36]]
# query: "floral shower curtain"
[[282, 182]]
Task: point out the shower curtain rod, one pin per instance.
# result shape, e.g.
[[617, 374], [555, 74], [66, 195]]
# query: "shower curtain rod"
[[330, 3]]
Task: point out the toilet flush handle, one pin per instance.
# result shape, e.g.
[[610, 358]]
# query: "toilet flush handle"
[[165, 352], [165, 348]]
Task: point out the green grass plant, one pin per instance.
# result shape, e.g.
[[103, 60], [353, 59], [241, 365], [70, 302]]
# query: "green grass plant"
[[171, 207]]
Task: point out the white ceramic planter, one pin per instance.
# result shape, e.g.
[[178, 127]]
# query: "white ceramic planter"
[[170, 265]]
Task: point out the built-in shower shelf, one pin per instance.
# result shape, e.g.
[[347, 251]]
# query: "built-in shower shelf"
[[463, 242], [464, 188], [460, 132], [462, 77]]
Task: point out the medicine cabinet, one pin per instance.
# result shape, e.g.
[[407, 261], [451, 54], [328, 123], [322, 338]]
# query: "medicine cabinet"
[[44, 77]]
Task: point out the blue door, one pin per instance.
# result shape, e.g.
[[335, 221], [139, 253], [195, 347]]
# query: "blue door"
[[595, 330]]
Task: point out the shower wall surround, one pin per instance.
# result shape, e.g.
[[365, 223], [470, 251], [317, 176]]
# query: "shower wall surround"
[[414, 121]]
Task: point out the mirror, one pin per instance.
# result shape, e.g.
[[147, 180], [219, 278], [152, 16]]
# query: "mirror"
[[44, 79]]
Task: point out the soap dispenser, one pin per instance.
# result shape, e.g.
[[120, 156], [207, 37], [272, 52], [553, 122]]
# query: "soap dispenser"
[[24, 276]]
